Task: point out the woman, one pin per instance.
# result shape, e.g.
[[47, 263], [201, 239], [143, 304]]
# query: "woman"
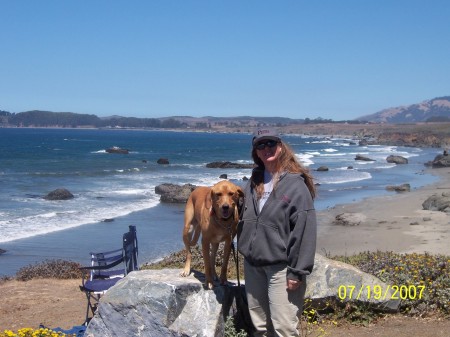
[[277, 236]]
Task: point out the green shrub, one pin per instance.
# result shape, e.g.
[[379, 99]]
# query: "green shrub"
[[418, 270], [59, 269]]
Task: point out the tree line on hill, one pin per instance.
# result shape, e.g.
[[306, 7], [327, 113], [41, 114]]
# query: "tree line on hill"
[[73, 120], [38, 118]]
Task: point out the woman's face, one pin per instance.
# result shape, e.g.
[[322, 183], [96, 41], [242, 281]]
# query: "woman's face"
[[269, 153]]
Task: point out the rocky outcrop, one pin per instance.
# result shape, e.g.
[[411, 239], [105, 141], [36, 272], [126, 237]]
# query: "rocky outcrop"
[[172, 193], [322, 169], [412, 139], [59, 194], [437, 202], [441, 160], [163, 161], [333, 280], [399, 188], [227, 164], [160, 303], [396, 159], [118, 150], [363, 158], [349, 219]]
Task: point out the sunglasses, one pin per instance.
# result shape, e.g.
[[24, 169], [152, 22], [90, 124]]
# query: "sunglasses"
[[269, 143]]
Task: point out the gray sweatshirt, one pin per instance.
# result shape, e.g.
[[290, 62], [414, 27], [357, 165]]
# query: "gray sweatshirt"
[[285, 229]]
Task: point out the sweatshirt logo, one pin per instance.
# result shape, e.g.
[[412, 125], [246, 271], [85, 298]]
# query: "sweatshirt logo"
[[286, 199]]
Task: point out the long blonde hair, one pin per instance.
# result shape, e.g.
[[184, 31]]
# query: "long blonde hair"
[[287, 162]]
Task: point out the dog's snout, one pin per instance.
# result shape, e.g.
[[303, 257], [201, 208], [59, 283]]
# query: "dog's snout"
[[225, 207]]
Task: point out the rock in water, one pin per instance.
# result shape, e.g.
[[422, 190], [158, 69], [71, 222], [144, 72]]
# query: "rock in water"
[[59, 194]]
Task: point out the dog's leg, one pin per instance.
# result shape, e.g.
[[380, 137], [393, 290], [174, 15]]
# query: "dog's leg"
[[189, 233], [214, 248], [206, 258], [226, 257]]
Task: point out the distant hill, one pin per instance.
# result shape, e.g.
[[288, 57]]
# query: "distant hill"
[[434, 110], [38, 118]]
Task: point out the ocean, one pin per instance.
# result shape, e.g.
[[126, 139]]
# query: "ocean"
[[121, 187]]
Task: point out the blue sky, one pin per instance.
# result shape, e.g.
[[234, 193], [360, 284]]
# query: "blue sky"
[[337, 59]]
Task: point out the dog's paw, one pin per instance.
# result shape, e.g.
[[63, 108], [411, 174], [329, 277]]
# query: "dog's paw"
[[184, 273]]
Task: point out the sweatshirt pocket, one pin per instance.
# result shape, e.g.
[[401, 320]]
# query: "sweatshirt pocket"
[[267, 246]]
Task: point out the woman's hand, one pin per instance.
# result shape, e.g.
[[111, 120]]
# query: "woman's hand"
[[293, 284]]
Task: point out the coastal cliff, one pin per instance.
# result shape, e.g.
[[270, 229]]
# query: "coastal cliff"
[[415, 134]]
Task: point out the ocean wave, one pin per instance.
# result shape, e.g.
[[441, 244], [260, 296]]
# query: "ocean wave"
[[342, 178], [385, 166], [333, 155], [315, 153], [319, 142], [47, 222], [345, 189], [305, 158]]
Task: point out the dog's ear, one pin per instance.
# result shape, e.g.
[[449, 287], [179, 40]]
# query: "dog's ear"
[[208, 199], [240, 197], [239, 193]]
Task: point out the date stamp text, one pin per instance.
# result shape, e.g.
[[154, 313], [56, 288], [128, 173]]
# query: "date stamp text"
[[377, 292]]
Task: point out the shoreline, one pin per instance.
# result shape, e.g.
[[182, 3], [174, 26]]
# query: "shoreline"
[[159, 227], [386, 227], [396, 222]]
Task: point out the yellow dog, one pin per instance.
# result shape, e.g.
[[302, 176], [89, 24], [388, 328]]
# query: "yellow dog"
[[213, 212]]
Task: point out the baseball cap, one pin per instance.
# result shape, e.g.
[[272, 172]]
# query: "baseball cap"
[[265, 133]]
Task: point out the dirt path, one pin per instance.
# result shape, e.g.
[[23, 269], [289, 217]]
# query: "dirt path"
[[60, 303], [54, 303]]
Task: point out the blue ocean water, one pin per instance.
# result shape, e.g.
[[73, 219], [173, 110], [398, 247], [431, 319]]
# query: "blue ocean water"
[[34, 162]]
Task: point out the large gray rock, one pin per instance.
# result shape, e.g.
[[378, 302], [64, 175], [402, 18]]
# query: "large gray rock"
[[363, 158], [323, 169], [441, 160], [160, 303], [228, 164], [438, 203], [118, 150], [397, 159], [172, 193], [399, 188], [332, 279], [59, 194], [349, 219]]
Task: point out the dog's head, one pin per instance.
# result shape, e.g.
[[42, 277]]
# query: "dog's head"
[[226, 198]]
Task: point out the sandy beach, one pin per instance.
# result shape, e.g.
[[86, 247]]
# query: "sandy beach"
[[395, 222]]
